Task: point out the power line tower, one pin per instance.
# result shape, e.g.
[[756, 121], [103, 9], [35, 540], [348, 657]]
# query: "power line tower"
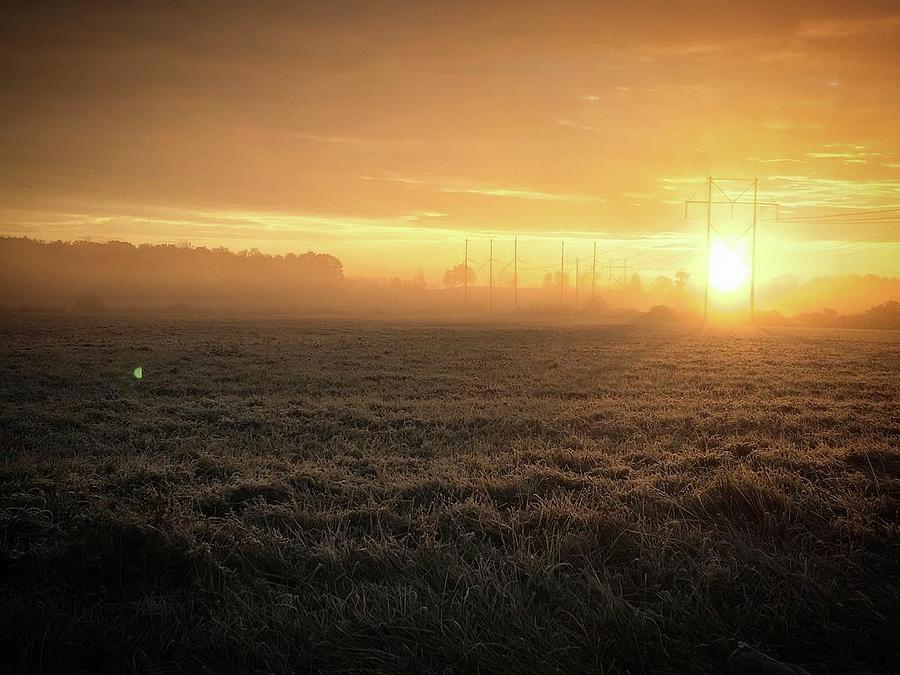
[[466, 275], [576, 283], [491, 267], [516, 273], [725, 199], [562, 256]]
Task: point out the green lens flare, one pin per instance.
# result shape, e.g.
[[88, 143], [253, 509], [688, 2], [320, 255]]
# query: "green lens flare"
[[138, 373]]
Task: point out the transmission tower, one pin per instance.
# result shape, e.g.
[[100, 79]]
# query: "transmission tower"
[[562, 256], [491, 267], [751, 184], [466, 275], [516, 273]]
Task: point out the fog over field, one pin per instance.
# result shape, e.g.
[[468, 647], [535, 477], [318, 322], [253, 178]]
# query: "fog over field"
[[116, 276], [450, 337], [370, 496]]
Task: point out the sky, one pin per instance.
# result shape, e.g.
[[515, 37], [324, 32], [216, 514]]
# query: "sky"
[[387, 133]]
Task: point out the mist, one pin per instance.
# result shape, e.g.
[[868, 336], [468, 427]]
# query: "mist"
[[86, 276]]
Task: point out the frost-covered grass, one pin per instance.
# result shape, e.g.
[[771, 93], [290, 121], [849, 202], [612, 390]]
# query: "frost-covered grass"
[[287, 496]]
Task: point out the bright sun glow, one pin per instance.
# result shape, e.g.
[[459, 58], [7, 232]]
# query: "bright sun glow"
[[727, 271]]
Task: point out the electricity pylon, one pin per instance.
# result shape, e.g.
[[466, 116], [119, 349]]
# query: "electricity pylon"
[[752, 183]]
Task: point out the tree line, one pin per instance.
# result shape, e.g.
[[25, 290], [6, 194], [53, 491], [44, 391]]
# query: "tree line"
[[92, 276]]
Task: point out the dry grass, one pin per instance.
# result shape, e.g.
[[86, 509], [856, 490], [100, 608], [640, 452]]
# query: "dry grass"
[[366, 497]]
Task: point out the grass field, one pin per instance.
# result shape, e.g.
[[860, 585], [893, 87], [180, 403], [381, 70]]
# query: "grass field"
[[286, 496]]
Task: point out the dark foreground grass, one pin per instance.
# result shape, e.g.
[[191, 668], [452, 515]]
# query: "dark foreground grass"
[[295, 496]]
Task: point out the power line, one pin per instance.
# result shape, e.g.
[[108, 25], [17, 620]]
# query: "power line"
[[843, 214], [633, 242], [841, 248]]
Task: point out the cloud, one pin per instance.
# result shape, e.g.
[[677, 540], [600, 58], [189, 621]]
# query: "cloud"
[[522, 194], [219, 225], [679, 89], [574, 125], [788, 56], [319, 138], [685, 49], [844, 27], [804, 191], [425, 215], [814, 191], [847, 152], [774, 160], [456, 187]]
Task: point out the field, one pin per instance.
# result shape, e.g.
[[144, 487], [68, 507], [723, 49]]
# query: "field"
[[292, 496]]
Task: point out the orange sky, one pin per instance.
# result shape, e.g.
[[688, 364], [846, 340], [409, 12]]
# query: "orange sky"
[[385, 133]]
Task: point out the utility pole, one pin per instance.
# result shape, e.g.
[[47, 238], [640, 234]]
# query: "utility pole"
[[562, 253], [624, 272], [576, 283], [709, 182], [594, 274], [609, 276], [516, 273], [466, 275], [753, 255], [491, 267]]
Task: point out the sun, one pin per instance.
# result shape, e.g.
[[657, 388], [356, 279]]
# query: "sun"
[[727, 271]]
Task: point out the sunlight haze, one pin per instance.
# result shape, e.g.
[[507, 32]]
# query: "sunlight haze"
[[387, 133]]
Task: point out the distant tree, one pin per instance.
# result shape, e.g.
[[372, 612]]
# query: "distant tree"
[[881, 316], [99, 276], [662, 284], [565, 280], [682, 280], [456, 276], [636, 282]]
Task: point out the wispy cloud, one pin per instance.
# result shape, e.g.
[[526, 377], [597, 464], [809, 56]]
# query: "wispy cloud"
[[223, 225], [788, 56], [684, 49], [511, 192], [805, 191], [840, 28], [846, 152], [321, 138], [679, 89], [574, 125], [813, 191], [347, 141], [521, 194], [425, 215], [774, 160]]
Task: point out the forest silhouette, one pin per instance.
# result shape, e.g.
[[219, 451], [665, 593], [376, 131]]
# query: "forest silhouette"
[[95, 276]]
